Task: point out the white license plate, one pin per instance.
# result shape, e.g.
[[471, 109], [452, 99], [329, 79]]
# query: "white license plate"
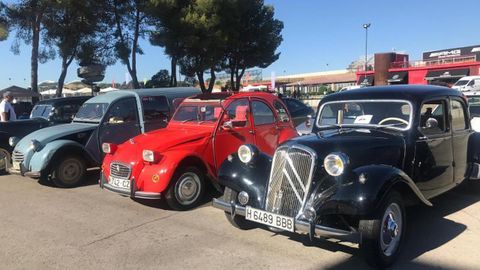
[[270, 219], [120, 183], [16, 166]]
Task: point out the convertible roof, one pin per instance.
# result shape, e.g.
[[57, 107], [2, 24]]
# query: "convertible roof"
[[412, 93], [168, 92]]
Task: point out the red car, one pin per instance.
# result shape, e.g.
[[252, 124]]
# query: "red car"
[[174, 163]]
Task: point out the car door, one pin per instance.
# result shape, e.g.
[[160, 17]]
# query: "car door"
[[433, 164], [234, 129], [120, 122], [460, 135], [265, 128], [156, 112]]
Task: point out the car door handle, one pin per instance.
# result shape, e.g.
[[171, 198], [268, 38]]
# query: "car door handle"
[[251, 132]]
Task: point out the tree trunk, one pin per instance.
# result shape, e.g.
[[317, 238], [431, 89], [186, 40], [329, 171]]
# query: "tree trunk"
[[211, 83], [201, 81], [239, 78], [61, 80], [34, 56], [173, 71]]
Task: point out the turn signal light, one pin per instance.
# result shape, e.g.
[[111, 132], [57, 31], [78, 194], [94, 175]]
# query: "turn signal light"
[[151, 156], [109, 148]]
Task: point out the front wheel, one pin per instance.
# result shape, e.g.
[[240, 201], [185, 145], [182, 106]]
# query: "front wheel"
[[69, 172], [382, 238], [237, 221], [186, 189]]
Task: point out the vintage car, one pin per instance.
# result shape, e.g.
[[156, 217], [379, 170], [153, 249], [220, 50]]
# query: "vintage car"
[[175, 162], [372, 152], [45, 113], [62, 153], [473, 98]]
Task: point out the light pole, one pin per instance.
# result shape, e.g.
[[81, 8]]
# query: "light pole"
[[366, 26]]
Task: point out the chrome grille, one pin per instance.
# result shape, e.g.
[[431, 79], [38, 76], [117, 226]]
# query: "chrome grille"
[[120, 170], [17, 156], [290, 179]]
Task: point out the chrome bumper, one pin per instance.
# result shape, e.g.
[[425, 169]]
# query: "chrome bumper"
[[300, 225], [131, 193]]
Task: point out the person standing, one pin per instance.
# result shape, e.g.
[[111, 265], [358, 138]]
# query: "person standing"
[[7, 113]]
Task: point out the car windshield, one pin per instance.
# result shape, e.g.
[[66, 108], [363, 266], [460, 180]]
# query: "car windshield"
[[461, 83], [41, 111], [91, 112], [474, 106], [200, 113], [371, 113]]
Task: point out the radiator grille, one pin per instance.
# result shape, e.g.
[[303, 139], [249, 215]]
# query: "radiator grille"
[[17, 156], [120, 170], [290, 179]]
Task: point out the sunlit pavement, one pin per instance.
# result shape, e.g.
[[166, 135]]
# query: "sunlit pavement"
[[42, 227]]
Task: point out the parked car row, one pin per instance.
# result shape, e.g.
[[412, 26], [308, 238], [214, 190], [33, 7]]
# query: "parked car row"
[[372, 152]]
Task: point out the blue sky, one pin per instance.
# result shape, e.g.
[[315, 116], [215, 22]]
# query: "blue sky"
[[318, 36]]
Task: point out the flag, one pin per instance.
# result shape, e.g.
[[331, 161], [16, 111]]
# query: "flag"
[[273, 81]]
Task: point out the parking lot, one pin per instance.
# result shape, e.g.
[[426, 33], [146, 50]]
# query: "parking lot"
[[87, 228]]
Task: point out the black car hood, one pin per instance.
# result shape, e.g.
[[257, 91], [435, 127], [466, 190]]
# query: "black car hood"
[[362, 146]]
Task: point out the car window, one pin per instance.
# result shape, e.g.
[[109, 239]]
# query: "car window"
[[435, 110], [176, 102], [155, 108], [123, 111], [41, 111], [65, 112], [237, 112], [262, 114], [294, 105], [281, 111], [459, 122]]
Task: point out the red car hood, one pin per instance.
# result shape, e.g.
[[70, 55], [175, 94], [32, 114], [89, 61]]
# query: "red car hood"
[[160, 140]]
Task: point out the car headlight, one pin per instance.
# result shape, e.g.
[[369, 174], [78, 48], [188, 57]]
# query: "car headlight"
[[246, 153], [12, 141], [35, 145], [150, 156], [335, 163]]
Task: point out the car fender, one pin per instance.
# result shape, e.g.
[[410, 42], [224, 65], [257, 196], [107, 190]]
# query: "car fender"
[[251, 178], [165, 170], [41, 160], [287, 134], [473, 148], [363, 191]]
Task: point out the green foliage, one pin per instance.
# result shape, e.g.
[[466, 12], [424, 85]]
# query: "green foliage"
[[159, 80], [3, 22]]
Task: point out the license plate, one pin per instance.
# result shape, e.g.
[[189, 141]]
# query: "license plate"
[[16, 166], [120, 183], [270, 219]]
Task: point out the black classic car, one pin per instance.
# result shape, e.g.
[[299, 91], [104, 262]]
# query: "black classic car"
[[45, 113], [372, 152]]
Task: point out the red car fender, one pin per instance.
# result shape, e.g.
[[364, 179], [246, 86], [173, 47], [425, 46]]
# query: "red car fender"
[[157, 177], [286, 135], [106, 165]]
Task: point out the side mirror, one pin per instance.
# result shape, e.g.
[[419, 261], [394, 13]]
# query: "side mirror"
[[308, 122], [431, 123], [115, 120], [227, 125]]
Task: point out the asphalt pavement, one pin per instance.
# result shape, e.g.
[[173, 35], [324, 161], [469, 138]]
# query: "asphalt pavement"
[[42, 227]]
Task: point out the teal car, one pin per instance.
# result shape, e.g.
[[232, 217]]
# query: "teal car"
[[63, 153]]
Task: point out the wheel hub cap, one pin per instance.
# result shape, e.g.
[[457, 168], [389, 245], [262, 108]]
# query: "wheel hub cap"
[[391, 230]]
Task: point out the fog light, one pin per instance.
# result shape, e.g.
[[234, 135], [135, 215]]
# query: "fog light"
[[155, 178], [243, 198], [309, 214]]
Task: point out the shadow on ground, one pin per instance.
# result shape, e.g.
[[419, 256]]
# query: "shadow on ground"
[[91, 178], [427, 229]]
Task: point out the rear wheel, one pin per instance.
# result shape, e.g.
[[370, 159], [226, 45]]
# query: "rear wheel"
[[237, 221], [69, 172], [7, 157], [382, 237], [186, 189]]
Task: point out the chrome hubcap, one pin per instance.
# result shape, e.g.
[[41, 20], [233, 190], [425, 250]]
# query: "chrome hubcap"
[[391, 230], [71, 171], [188, 188]]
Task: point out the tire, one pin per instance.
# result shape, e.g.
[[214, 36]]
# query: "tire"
[[237, 221], [186, 189], [382, 248], [8, 160], [69, 172]]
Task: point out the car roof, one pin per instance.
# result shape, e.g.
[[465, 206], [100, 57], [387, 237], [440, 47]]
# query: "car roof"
[[168, 92], [226, 95], [62, 100], [412, 93]]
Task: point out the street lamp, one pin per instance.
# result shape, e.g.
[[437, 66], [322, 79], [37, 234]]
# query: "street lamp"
[[366, 26]]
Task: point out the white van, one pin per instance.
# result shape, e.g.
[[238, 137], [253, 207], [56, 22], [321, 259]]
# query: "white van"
[[468, 83]]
